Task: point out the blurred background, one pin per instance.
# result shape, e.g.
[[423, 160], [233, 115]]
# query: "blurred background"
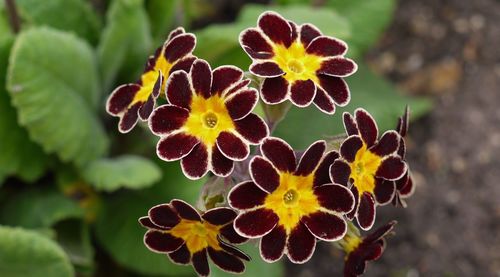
[[72, 187]]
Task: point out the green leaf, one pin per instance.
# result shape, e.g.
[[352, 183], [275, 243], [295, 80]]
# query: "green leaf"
[[118, 231], [69, 15], [52, 79], [161, 14], [132, 172], [26, 253], [301, 127], [125, 42], [74, 237], [368, 20]]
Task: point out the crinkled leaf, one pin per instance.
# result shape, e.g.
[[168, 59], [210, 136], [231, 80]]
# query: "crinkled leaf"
[[132, 172], [26, 253], [379, 97], [52, 79]]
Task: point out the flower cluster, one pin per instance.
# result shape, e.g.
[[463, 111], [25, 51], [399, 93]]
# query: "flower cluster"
[[288, 199]]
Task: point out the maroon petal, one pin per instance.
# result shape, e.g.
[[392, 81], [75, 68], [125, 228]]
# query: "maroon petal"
[[354, 211], [327, 47], [256, 223], [302, 93], [274, 90], [384, 191], [367, 127], [228, 233], [235, 251], [266, 69], [221, 165], [272, 245], [300, 245], [308, 32], [366, 211], [246, 196], [276, 28], [311, 158], [388, 144], [224, 77], [404, 122], [129, 118], [380, 232], [322, 174], [158, 84], [294, 29], [237, 87], [350, 147], [338, 66], [263, 174], [408, 189], [161, 242], [179, 47], [147, 223], [185, 210], [340, 172], [175, 32], [226, 261], [147, 108], [402, 148], [252, 128], [164, 216], [201, 78], [200, 262], [350, 124], [323, 101], [180, 256], [195, 165], [391, 168], [336, 88], [178, 90], [279, 153], [242, 103], [335, 198], [325, 226], [219, 216], [232, 146], [167, 118], [120, 98], [175, 147], [183, 64], [253, 42]]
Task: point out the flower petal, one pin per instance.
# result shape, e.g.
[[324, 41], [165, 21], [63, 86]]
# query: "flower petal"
[[388, 144], [201, 78], [274, 90], [183, 64], [311, 158], [384, 191], [340, 172], [195, 165], [232, 146], [219, 216], [380, 232], [366, 211], [253, 42], [322, 174], [246, 196], [242, 103], [350, 124], [354, 211], [293, 27], [308, 33], [235, 251], [178, 90], [226, 261], [177, 31], [228, 233], [272, 245], [266, 69], [263, 174], [338, 66], [179, 47], [120, 99], [300, 245], [325, 226], [335, 198], [336, 88], [185, 210], [237, 87], [200, 262], [391, 168], [167, 118], [164, 216], [279, 153], [404, 122], [326, 47], [255, 223], [408, 189], [147, 108], [221, 165], [223, 77], [252, 128], [175, 146], [367, 127], [350, 147], [147, 223], [161, 242], [180, 256], [129, 118], [276, 28], [302, 93], [323, 101]]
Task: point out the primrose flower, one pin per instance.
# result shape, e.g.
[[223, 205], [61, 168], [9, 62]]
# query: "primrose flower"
[[132, 101], [208, 123], [298, 63], [365, 162], [187, 237], [361, 250], [290, 205]]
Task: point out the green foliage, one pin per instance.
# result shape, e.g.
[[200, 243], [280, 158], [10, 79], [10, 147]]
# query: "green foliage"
[[53, 83], [26, 253], [161, 14], [74, 237], [132, 172]]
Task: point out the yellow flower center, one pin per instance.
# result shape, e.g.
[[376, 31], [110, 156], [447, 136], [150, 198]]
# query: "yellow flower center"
[[363, 169], [148, 79], [208, 118], [296, 63], [293, 199], [197, 235]]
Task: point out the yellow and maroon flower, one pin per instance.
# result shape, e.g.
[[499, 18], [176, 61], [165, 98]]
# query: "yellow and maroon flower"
[[365, 162], [187, 237], [137, 100], [290, 204], [298, 63], [361, 250], [208, 123]]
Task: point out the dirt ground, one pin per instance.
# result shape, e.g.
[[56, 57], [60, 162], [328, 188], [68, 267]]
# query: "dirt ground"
[[448, 50]]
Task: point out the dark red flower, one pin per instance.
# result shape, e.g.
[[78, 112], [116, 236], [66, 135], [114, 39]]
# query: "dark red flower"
[[132, 101], [187, 237], [208, 123], [298, 63], [365, 162], [361, 250], [290, 204]]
